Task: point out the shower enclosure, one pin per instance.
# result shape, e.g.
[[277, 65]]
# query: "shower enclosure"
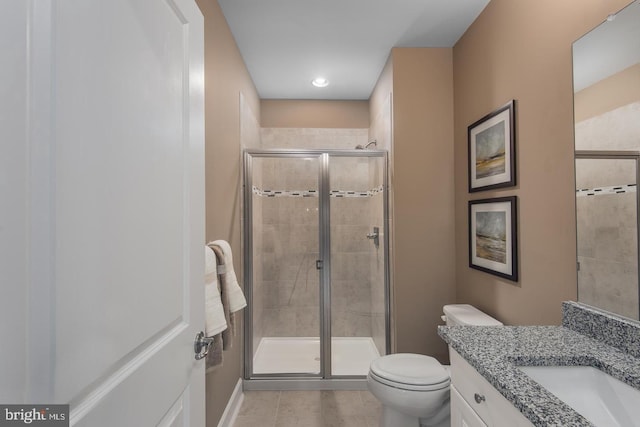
[[607, 230], [316, 263]]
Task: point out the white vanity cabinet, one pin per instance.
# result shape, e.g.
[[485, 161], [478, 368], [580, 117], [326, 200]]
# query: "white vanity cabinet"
[[463, 415], [476, 403]]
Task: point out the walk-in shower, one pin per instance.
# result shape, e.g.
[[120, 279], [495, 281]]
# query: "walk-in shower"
[[607, 230], [317, 283]]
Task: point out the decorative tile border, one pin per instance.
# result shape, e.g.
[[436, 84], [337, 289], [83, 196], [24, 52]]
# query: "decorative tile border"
[[314, 193], [602, 191], [613, 330]]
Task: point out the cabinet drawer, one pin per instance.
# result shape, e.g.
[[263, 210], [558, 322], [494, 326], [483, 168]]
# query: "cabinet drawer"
[[462, 415], [484, 399]]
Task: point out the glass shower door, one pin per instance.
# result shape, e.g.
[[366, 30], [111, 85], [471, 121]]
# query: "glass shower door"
[[607, 232], [358, 285], [285, 282], [315, 263]]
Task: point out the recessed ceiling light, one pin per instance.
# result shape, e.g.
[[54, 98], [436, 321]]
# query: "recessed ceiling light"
[[320, 82]]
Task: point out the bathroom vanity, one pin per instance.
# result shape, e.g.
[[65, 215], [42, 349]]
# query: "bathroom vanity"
[[476, 403], [490, 388]]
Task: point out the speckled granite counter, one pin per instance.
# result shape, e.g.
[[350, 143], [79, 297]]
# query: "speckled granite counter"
[[495, 352]]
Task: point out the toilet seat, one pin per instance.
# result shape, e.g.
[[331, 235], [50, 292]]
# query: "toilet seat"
[[414, 372]]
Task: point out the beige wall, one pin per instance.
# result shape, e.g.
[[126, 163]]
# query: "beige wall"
[[279, 113], [522, 50], [225, 77], [423, 195], [608, 94]]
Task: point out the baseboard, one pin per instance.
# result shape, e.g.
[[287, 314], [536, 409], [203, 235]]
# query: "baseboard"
[[233, 406]]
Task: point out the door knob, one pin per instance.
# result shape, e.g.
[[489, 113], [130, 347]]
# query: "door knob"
[[201, 343]]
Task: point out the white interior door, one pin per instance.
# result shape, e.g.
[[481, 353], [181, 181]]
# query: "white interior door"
[[102, 213]]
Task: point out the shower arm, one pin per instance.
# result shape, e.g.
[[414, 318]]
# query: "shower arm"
[[374, 143]]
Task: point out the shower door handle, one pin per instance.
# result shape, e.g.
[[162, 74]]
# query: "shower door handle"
[[319, 264], [375, 236]]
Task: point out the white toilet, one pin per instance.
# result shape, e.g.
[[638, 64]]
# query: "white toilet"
[[414, 389]]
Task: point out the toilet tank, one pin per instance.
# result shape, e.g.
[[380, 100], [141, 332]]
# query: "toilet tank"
[[467, 315]]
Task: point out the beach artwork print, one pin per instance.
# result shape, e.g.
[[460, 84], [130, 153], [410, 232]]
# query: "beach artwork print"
[[492, 150], [492, 236]]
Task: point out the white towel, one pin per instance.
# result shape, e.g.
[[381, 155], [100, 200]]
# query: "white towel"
[[214, 312], [236, 297]]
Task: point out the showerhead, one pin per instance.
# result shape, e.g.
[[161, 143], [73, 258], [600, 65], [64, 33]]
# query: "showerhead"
[[360, 147]]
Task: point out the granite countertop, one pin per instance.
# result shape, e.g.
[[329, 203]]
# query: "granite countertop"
[[495, 352]]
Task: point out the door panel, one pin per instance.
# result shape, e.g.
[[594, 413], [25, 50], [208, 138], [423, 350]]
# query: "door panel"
[[114, 233], [357, 263], [286, 287], [119, 136], [13, 193]]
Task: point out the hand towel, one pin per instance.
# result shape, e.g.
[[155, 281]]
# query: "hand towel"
[[237, 300], [214, 357], [227, 334], [215, 321]]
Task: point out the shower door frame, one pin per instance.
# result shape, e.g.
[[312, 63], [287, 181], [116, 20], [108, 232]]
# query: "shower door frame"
[[614, 155], [323, 380]]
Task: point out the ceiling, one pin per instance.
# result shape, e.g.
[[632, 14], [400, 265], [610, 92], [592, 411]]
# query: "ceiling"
[[287, 43], [609, 48]]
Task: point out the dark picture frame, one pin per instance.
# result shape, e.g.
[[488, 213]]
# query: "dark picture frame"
[[493, 236], [492, 149]]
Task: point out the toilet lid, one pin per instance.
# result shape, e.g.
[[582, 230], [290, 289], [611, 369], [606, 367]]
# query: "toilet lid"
[[410, 371]]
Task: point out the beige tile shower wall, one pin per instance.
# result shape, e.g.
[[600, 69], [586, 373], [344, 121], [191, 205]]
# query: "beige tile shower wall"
[[290, 285], [381, 126], [618, 129], [312, 138], [350, 275], [607, 253]]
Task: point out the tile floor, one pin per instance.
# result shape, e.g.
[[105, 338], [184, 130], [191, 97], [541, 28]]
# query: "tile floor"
[[327, 408]]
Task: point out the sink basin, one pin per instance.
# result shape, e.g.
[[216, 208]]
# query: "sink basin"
[[597, 396]]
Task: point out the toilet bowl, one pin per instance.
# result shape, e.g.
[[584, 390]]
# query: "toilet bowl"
[[413, 388]]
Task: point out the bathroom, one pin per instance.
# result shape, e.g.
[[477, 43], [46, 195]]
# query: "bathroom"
[[526, 55], [514, 50]]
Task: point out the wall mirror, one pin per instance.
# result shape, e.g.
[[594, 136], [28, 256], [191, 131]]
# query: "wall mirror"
[[606, 80]]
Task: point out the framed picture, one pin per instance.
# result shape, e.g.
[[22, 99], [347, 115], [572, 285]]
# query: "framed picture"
[[493, 237], [492, 150]]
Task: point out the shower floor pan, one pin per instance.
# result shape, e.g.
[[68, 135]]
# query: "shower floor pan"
[[295, 355]]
